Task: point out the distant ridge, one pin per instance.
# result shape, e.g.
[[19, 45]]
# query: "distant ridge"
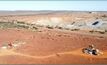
[[32, 12]]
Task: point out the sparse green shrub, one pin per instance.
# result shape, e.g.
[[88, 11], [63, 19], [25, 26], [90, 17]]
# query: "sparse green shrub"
[[49, 27], [75, 29], [91, 31], [19, 25], [35, 28], [60, 28], [23, 26], [20, 22], [101, 32]]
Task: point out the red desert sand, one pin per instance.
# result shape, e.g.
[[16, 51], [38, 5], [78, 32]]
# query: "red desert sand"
[[51, 46]]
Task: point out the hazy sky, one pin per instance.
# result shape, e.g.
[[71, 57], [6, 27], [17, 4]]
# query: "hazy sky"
[[54, 5]]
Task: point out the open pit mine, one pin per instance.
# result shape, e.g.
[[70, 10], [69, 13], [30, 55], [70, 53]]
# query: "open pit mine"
[[53, 37]]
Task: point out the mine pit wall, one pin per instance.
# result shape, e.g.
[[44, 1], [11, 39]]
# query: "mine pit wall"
[[78, 20], [67, 17]]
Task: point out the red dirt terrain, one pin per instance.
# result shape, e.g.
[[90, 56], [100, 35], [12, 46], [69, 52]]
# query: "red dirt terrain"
[[50, 46]]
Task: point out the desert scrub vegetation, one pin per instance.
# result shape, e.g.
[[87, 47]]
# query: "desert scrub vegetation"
[[49, 27], [20, 22], [18, 25], [75, 29], [59, 27], [7, 25], [99, 31], [91, 31]]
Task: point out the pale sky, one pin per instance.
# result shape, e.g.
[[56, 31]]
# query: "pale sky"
[[54, 5]]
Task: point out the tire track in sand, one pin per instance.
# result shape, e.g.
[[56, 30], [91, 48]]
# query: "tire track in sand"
[[76, 52]]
